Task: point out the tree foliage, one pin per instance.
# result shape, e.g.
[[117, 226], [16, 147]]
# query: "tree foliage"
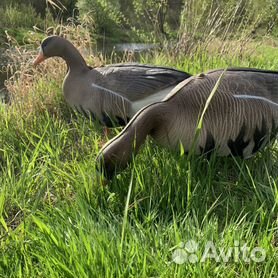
[[157, 19], [203, 21], [143, 19]]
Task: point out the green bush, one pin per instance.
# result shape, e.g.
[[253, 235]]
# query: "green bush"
[[102, 16], [155, 20], [19, 16], [143, 20], [203, 22], [41, 6]]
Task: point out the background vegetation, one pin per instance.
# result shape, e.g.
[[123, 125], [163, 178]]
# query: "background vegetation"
[[58, 220], [146, 20]]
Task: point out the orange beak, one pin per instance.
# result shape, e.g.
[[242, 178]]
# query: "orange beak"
[[40, 58]]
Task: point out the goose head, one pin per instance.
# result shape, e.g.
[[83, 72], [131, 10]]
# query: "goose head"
[[56, 46], [116, 154], [119, 152], [50, 47]]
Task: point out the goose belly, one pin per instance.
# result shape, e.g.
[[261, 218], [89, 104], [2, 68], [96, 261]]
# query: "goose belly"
[[245, 144], [241, 140], [159, 96], [100, 105], [207, 143], [105, 117]]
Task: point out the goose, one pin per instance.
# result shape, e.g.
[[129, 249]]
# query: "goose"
[[240, 119], [110, 94]]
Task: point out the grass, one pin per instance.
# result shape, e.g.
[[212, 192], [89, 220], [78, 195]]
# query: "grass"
[[57, 220]]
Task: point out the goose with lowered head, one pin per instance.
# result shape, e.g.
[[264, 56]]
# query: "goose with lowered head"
[[241, 118]]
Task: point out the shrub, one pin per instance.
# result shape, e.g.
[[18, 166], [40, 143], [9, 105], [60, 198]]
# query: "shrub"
[[205, 21], [188, 21], [103, 15], [19, 16]]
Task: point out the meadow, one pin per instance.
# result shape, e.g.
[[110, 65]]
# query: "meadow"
[[157, 218]]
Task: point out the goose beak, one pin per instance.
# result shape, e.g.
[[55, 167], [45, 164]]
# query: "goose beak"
[[40, 58]]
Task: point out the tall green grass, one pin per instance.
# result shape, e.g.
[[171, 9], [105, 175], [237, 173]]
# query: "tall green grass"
[[58, 220]]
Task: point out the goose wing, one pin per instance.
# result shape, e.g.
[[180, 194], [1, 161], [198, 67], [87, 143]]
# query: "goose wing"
[[248, 81], [235, 122], [137, 81], [112, 110]]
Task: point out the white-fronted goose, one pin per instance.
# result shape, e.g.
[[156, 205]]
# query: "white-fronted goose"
[[239, 120], [111, 94]]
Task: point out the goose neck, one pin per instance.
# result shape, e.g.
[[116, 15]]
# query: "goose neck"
[[73, 58]]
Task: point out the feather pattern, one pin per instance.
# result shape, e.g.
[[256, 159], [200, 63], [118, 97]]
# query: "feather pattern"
[[136, 81], [113, 94], [119, 92], [234, 123]]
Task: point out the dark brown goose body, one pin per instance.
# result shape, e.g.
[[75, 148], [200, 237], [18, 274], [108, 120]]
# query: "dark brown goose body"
[[111, 94], [234, 123]]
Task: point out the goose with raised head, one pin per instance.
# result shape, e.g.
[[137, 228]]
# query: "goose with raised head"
[[110, 94], [235, 123]]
